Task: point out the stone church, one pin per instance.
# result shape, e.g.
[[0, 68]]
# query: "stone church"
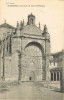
[[25, 53]]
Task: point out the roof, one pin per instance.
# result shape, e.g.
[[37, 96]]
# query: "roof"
[[31, 29], [5, 25], [56, 54], [31, 15], [56, 69]]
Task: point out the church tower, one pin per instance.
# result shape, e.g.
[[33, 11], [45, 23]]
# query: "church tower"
[[31, 19]]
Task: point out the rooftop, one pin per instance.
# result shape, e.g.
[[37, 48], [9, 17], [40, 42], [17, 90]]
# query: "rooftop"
[[31, 29], [57, 54], [5, 25], [56, 69]]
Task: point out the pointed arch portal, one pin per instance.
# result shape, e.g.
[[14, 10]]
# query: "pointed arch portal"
[[34, 53]]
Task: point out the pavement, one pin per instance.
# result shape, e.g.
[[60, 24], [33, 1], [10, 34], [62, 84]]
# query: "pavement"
[[30, 91]]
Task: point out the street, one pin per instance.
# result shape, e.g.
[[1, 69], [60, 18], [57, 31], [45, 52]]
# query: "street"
[[30, 91]]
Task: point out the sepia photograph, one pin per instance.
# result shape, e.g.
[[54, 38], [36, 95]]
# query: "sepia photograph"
[[32, 50]]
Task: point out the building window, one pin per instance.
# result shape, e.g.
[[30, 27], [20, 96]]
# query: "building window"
[[54, 76], [51, 76], [56, 64], [58, 76], [8, 46]]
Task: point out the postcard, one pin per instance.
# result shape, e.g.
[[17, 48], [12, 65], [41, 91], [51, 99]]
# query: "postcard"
[[31, 50]]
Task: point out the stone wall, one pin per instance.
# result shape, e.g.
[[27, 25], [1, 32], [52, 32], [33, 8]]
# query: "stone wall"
[[7, 68], [16, 44], [14, 66]]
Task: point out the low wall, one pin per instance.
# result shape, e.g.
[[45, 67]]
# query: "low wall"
[[52, 85]]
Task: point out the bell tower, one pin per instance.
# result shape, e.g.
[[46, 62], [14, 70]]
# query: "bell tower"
[[31, 19]]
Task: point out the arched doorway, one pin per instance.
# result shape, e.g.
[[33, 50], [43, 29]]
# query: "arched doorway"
[[32, 76]]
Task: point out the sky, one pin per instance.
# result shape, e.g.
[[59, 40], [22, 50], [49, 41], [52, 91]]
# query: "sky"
[[49, 12]]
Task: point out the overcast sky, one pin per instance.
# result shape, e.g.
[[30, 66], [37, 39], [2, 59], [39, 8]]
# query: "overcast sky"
[[49, 12]]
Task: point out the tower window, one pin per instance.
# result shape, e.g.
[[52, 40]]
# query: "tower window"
[[31, 21]]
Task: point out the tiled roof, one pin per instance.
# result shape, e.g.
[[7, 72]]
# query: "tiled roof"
[[5, 25], [56, 54], [56, 69], [31, 29]]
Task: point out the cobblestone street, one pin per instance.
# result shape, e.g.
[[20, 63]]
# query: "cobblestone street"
[[30, 91]]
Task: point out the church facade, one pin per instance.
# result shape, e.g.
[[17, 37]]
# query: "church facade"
[[28, 50], [25, 53]]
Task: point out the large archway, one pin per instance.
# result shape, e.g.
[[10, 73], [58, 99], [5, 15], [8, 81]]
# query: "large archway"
[[34, 53]]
